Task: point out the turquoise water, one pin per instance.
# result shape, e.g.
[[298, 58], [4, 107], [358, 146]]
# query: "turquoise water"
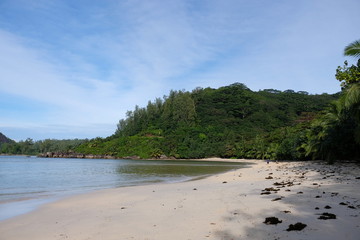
[[28, 182]]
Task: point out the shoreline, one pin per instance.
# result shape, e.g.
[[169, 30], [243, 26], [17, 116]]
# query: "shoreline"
[[26, 203], [231, 205]]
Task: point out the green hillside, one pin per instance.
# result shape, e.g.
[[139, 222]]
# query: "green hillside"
[[231, 121]]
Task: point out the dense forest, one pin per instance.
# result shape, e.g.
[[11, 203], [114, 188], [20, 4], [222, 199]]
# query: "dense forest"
[[31, 147], [233, 122]]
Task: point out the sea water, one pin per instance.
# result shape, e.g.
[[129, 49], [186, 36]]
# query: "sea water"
[[28, 182]]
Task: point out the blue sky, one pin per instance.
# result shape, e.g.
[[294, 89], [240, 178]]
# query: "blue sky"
[[71, 69]]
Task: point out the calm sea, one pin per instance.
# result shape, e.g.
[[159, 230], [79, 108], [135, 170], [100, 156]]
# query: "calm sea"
[[28, 182]]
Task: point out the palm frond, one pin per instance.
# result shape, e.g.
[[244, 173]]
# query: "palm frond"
[[353, 95], [353, 49]]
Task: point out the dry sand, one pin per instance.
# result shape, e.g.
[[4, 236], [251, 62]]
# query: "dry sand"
[[232, 205]]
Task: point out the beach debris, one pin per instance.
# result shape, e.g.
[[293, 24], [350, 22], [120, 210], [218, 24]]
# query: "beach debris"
[[318, 196], [271, 189], [224, 181], [296, 227], [265, 193], [317, 208], [299, 192], [195, 189], [283, 184], [327, 207], [276, 199], [272, 221], [327, 216], [269, 177], [287, 211], [342, 203]]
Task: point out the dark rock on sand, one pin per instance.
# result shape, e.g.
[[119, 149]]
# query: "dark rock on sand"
[[327, 216], [296, 227], [272, 220], [271, 189], [265, 193]]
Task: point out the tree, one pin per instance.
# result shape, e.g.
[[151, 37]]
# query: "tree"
[[353, 49], [349, 76]]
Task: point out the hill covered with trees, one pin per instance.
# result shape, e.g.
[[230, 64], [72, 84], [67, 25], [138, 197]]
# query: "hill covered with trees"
[[232, 121]]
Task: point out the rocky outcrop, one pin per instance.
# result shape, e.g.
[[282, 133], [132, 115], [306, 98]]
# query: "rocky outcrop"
[[4, 139], [94, 156], [73, 155]]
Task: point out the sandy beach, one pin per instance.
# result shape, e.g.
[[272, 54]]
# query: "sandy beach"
[[258, 202]]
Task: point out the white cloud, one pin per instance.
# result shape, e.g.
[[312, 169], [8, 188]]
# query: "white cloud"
[[24, 73]]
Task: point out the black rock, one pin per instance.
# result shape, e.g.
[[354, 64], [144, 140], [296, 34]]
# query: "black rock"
[[265, 193], [327, 216], [296, 227], [272, 220], [327, 207]]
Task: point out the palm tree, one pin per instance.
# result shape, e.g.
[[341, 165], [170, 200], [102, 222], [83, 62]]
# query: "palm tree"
[[353, 49], [351, 76]]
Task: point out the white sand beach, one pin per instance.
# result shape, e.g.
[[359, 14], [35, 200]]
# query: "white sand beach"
[[233, 205]]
